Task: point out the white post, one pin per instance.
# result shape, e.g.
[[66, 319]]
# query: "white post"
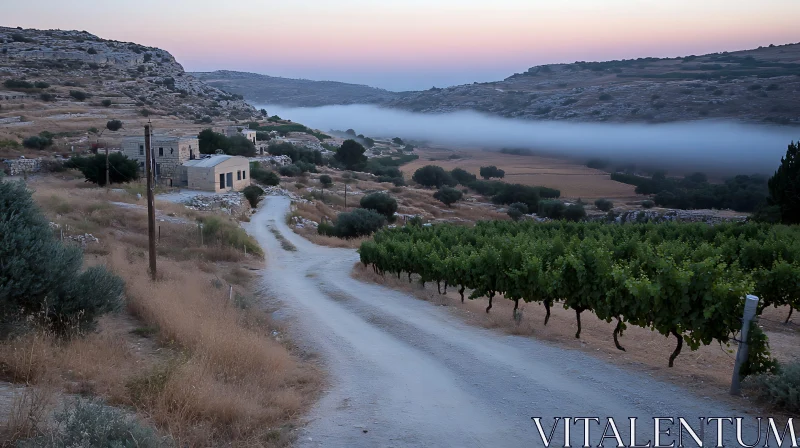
[[750, 307], [230, 293]]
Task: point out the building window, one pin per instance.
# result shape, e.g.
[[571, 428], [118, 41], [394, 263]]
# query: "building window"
[[141, 150], [244, 174], [238, 175], [161, 152]]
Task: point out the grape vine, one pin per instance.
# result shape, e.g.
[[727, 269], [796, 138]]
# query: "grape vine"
[[682, 280]]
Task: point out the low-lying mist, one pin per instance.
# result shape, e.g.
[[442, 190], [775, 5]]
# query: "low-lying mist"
[[723, 148]]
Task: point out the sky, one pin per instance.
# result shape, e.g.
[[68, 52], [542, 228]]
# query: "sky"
[[415, 44]]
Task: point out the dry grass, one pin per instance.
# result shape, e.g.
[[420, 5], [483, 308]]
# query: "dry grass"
[[573, 179], [201, 368], [707, 370], [234, 382]]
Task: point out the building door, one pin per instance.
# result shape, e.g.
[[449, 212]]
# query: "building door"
[[222, 181], [230, 179]]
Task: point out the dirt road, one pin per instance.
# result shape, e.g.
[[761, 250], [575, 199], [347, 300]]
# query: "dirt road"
[[406, 373]]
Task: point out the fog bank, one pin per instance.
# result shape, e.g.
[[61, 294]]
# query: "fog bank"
[[711, 146]]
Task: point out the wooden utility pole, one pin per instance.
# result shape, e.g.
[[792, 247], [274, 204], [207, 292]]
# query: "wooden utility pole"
[[108, 181], [151, 211]]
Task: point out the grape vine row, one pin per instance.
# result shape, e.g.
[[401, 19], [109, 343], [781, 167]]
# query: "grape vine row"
[[683, 280]]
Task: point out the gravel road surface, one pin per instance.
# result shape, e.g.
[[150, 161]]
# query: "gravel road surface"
[[407, 373]]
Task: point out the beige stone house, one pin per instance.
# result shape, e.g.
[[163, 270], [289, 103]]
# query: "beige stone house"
[[249, 134], [169, 153], [215, 173]]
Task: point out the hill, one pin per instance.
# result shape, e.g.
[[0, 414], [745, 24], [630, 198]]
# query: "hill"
[[760, 85], [67, 82], [294, 92]]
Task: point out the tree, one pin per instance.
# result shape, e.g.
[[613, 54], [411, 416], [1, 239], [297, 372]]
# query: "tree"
[[114, 125], [488, 172], [266, 177], [121, 168], [463, 177], [351, 155], [350, 132], [263, 112], [368, 142], [326, 181], [381, 203], [433, 176], [784, 186], [253, 194], [398, 141], [239, 145], [106, 103], [517, 210], [448, 196], [603, 205], [40, 276]]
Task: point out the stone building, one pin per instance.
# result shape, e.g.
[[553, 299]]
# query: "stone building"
[[249, 134], [215, 173], [169, 153]]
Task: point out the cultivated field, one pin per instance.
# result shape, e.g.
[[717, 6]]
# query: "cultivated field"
[[574, 180]]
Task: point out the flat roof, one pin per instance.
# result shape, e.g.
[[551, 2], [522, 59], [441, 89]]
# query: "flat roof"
[[208, 162]]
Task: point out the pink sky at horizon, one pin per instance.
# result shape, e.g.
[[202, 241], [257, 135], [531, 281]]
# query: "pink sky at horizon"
[[415, 44]]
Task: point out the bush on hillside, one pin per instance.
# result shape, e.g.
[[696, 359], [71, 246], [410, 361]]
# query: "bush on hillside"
[[114, 125], [78, 95], [297, 154], [603, 205], [290, 170], [448, 196], [121, 168], [47, 97], [262, 175], [433, 176], [253, 194], [106, 103], [381, 203], [238, 145], [648, 204], [511, 193], [326, 181], [359, 222], [37, 142], [351, 155], [91, 423], [41, 277], [575, 213], [488, 172], [463, 177], [517, 210]]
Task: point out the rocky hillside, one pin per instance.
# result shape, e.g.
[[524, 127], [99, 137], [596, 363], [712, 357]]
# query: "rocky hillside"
[[294, 92], [79, 69], [761, 85]]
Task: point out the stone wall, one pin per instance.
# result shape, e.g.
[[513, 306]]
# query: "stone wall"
[[15, 167]]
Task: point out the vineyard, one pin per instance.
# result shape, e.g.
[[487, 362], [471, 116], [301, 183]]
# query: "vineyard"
[[682, 280]]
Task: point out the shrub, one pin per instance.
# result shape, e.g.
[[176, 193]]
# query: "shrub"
[[511, 193], [605, 97], [121, 168], [114, 125], [91, 423], [552, 209], [326, 181], [42, 277], [359, 222], [266, 177], [488, 172], [91, 51], [575, 212], [648, 204], [517, 210], [603, 205], [37, 142], [47, 97], [17, 84], [253, 194], [106, 103], [78, 95], [290, 170], [381, 203], [41, 85], [781, 389], [448, 196], [228, 233], [463, 177], [433, 176]]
